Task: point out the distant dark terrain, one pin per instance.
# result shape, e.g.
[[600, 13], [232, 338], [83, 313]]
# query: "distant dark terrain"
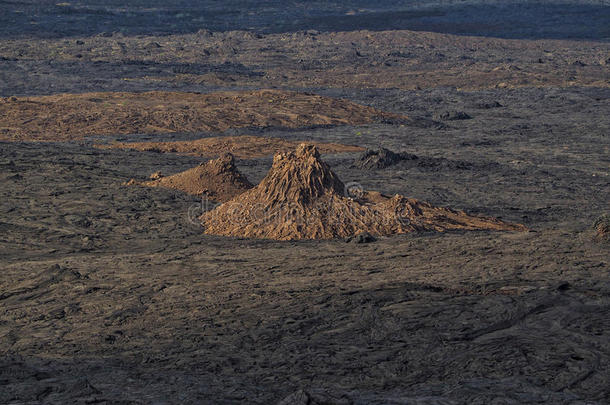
[[577, 19]]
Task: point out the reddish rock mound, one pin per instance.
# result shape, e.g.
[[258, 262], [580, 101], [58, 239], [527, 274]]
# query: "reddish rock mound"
[[245, 146], [301, 198], [217, 179], [75, 116]]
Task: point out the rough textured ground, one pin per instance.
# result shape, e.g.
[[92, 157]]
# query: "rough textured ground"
[[246, 146], [217, 179], [145, 308], [113, 294], [355, 59], [302, 198], [75, 116], [497, 18]]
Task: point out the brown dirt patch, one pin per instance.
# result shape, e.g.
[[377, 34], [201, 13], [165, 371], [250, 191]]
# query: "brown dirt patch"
[[301, 198], [243, 147], [217, 179], [75, 116]]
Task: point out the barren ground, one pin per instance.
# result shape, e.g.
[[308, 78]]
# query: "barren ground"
[[75, 116], [243, 146], [113, 294]]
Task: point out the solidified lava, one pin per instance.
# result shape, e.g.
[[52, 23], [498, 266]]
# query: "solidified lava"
[[602, 227], [383, 158], [244, 146], [302, 198], [380, 158], [75, 116], [216, 179]]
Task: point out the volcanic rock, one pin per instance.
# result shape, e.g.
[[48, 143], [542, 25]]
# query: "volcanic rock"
[[453, 116], [217, 179], [75, 116], [364, 237], [241, 146], [301, 198], [602, 227], [310, 397], [380, 158], [488, 105], [383, 158]]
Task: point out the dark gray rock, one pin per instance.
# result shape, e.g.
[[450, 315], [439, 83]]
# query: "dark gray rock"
[[453, 116]]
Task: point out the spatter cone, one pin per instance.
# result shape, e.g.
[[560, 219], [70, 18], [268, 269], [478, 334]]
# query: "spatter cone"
[[217, 179], [302, 198]]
